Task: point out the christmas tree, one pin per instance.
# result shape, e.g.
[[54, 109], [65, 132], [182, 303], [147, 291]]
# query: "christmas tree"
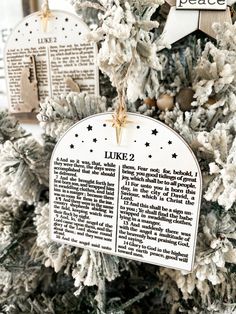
[[191, 87]]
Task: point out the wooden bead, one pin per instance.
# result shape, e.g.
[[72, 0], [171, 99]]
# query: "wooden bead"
[[150, 102], [211, 101], [184, 98], [165, 102]]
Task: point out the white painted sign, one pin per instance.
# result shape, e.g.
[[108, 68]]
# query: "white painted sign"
[[201, 4], [138, 200], [38, 62]]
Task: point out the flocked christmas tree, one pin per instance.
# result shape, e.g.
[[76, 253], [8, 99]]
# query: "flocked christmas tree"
[[190, 87]]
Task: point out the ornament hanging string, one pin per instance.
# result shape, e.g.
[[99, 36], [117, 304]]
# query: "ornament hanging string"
[[119, 117], [45, 14]]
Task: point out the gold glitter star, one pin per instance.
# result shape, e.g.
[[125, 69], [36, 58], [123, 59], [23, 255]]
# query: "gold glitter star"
[[118, 121], [45, 15]]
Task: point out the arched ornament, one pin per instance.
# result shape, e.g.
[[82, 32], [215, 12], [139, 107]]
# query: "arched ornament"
[[138, 200], [48, 61]]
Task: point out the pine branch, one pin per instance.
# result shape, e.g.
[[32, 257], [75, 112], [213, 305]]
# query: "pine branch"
[[130, 302], [21, 235]]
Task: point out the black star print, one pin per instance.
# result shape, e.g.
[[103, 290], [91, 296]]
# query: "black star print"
[[66, 19], [161, 147], [150, 156], [76, 135], [89, 127], [91, 150], [169, 142], [26, 24], [71, 146], [95, 140], [174, 155], [154, 132], [138, 127], [104, 125], [147, 144], [105, 139]]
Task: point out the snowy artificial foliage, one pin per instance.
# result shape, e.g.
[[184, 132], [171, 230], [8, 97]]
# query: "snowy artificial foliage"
[[41, 276], [215, 249], [128, 45], [209, 128], [24, 168], [220, 143], [105, 265], [89, 268], [9, 129], [9, 208], [57, 115], [54, 255]]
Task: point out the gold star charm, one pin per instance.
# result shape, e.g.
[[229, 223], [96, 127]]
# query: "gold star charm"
[[118, 121], [181, 23], [45, 15]]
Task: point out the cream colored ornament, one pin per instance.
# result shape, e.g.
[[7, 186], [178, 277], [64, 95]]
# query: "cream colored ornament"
[[165, 102], [37, 62], [181, 23], [106, 187]]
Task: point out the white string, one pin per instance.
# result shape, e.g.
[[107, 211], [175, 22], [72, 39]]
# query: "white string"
[[45, 7]]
